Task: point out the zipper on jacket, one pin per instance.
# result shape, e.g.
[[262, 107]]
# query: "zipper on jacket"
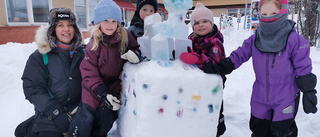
[[104, 62], [267, 73], [274, 59]]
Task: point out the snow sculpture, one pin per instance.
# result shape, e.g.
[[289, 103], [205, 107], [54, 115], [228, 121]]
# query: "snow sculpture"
[[175, 101], [168, 98], [162, 38]]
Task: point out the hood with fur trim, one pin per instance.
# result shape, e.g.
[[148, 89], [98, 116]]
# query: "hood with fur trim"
[[43, 44], [46, 36]]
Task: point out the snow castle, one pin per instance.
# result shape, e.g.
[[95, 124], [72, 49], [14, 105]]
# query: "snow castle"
[[171, 100]]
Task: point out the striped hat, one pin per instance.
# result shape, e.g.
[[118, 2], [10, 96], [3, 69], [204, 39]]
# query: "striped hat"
[[283, 12]]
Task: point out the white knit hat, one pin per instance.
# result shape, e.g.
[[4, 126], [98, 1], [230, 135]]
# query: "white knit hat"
[[201, 12]]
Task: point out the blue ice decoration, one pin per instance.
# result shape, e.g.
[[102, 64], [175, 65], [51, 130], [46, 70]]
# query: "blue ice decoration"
[[210, 106], [134, 93], [125, 100], [164, 97], [145, 86], [195, 109], [178, 102], [124, 76]]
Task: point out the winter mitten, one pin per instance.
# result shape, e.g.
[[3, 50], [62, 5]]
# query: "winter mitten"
[[191, 57], [309, 101], [225, 66], [307, 84], [112, 102], [60, 118], [131, 56], [62, 122]]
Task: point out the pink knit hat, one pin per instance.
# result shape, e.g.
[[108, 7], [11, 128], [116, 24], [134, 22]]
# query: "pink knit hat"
[[201, 12], [282, 12]]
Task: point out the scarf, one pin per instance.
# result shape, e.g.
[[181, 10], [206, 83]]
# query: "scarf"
[[66, 48], [271, 37]]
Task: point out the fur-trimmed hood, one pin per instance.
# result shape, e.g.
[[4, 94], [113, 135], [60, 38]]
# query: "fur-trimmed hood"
[[43, 43], [45, 35]]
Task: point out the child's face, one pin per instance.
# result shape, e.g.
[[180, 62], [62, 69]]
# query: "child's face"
[[146, 10], [202, 27], [109, 26], [64, 31], [269, 9]]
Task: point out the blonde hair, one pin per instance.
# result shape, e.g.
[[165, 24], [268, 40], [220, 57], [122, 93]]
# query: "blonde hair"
[[276, 2], [97, 35]]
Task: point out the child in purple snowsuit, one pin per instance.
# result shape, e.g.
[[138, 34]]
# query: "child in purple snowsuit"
[[282, 67]]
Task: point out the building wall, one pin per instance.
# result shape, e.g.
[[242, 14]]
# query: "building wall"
[[25, 34], [63, 3], [220, 2], [3, 15], [20, 34], [217, 11]]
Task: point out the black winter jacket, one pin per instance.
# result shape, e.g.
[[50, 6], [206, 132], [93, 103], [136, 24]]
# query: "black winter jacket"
[[62, 77], [136, 26]]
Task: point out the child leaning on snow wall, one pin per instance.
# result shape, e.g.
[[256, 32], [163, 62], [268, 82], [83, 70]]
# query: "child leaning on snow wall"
[[282, 65], [109, 48], [207, 46], [144, 8]]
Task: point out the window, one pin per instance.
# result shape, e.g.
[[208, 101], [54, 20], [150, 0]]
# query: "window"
[[27, 11], [17, 11], [84, 10], [234, 11], [40, 10]]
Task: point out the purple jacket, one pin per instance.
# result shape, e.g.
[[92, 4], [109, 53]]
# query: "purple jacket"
[[275, 72], [103, 65]]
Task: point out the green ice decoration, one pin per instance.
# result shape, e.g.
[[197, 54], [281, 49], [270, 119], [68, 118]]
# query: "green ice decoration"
[[216, 89], [135, 112]]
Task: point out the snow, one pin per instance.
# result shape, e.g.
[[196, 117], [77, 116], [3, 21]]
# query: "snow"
[[166, 92], [236, 95]]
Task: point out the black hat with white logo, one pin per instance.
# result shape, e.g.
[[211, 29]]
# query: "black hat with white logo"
[[57, 14]]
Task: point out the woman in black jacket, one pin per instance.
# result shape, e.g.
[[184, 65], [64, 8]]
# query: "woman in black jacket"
[[52, 78]]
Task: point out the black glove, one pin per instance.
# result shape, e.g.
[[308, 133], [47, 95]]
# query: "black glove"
[[102, 90], [60, 118], [225, 66], [309, 101], [212, 69]]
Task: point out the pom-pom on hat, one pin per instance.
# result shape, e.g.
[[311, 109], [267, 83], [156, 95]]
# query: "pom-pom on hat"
[[153, 3], [283, 12], [201, 12], [106, 9]]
